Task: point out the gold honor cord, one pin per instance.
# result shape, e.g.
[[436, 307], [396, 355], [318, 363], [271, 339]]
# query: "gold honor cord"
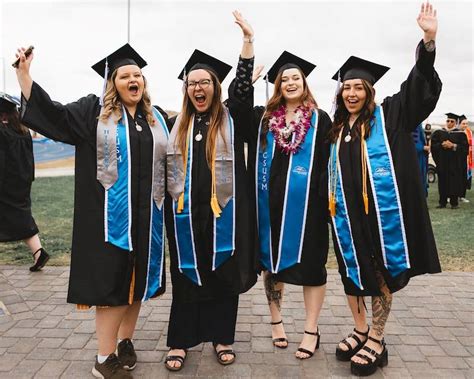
[[216, 209], [185, 164], [333, 168], [333, 175], [363, 160]]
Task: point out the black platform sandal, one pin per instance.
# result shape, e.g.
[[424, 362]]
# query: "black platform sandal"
[[378, 360], [176, 358], [220, 353], [42, 260], [346, 355], [280, 339], [310, 353]]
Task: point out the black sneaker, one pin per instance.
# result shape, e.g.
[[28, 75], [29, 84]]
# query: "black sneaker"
[[110, 369], [126, 354]]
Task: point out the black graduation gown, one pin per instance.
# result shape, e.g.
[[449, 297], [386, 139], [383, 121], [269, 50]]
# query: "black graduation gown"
[[194, 308], [17, 173], [403, 112], [101, 273], [311, 271], [451, 165]]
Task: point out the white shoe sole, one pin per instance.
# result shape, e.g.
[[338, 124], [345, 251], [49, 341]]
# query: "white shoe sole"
[[97, 374]]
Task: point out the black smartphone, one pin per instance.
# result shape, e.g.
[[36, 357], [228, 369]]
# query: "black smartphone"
[[27, 54]]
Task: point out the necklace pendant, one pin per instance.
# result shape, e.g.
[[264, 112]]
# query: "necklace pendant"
[[139, 128], [198, 137], [347, 138]]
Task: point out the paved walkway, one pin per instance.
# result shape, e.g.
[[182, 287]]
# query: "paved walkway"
[[429, 333]]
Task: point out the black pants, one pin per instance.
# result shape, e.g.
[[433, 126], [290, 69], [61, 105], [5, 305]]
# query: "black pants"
[[443, 186], [205, 321]]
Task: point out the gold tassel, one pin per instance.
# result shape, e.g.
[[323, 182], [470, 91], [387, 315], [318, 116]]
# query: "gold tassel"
[[180, 203], [332, 205], [216, 209], [366, 203]]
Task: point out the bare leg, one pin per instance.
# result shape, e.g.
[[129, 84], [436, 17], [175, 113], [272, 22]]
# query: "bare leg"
[[34, 245], [107, 324], [274, 293], [313, 301], [360, 319], [381, 306], [129, 321]]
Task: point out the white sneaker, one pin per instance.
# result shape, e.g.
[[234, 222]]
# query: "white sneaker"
[[464, 200]]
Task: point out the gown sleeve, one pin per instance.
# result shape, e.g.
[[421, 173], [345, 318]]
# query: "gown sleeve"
[[71, 123], [240, 101], [418, 94]]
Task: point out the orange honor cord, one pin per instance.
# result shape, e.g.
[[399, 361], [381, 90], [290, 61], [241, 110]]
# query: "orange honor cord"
[[185, 164]]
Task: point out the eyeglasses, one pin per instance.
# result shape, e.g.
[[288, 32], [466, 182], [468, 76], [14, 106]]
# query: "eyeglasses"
[[203, 83], [450, 121]]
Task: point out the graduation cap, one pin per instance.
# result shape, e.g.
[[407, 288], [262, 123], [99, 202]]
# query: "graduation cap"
[[358, 68], [123, 56], [462, 118], [200, 60], [287, 60], [7, 102], [452, 116]]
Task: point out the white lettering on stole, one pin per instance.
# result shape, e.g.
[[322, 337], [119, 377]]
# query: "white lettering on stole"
[[300, 170], [264, 172], [106, 149], [119, 155], [382, 171]]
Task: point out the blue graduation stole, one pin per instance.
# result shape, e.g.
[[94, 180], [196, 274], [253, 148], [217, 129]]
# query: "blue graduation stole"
[[386, 201], [295, 204], [118, 209], [224, 225]]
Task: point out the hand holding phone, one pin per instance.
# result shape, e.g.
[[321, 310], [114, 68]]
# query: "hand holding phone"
[[27, 54]]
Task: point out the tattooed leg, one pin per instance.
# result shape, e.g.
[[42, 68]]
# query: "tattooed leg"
[[274, 293], [381, 306]]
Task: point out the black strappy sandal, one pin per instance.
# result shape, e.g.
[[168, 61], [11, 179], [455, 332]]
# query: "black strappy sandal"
[[310, 353], [42, 260], [220, 353], [378, 360], [176, 358], [346, 355], [279, 339]]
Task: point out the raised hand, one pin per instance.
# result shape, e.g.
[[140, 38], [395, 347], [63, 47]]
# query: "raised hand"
[[257, 73], [244, 24], [428, 21], [23, 72]]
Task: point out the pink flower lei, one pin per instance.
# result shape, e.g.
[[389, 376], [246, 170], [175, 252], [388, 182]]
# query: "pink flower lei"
[[289, 138]]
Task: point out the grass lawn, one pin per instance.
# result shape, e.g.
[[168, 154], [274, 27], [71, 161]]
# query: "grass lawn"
[[52, 209]]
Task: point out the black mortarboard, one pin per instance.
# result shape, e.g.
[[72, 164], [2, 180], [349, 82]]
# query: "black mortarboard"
[[7, 102], [201, 60], [123, 56], [287, 60], [358, 68], [453, 116], [462, 118]]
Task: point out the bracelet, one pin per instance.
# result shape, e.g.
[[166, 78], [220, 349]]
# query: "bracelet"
[[248, 39]]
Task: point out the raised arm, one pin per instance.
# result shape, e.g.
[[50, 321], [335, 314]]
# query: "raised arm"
[[420, 92], [69, 123]]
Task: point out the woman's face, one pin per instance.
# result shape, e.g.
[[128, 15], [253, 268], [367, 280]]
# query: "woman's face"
[[200, 88], [354, 95], [130, 84], [464, 124], [292, 85]]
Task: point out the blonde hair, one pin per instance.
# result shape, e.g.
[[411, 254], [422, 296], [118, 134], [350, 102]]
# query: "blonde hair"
[[113, 104]]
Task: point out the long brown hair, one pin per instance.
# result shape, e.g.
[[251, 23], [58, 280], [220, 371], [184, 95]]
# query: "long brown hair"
[[13, 121], [277, 100], [342, 115], [113, 104], [216, 123]]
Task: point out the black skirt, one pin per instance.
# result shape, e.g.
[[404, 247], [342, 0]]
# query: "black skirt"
[[203, 321]]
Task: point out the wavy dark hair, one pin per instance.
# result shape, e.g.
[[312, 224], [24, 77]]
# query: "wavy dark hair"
[[216, 124], [342, 114], [277, 100], [13, 121]]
